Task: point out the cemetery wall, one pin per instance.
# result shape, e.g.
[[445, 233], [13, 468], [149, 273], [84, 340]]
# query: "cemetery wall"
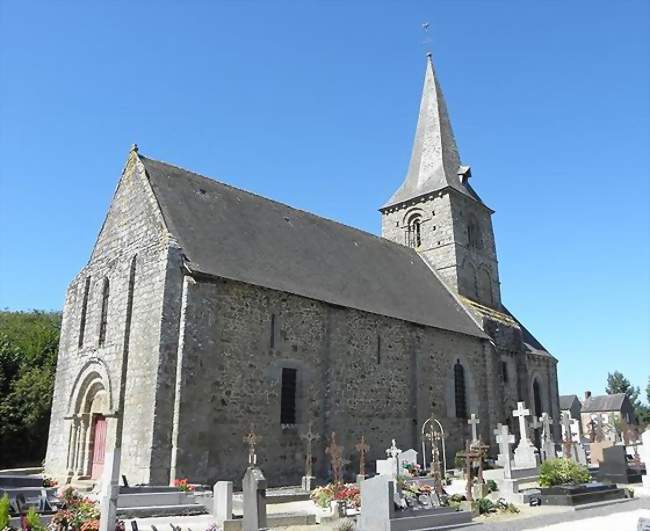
[[133, 226], [358, 373]]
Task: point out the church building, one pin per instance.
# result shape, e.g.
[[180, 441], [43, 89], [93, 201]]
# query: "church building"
[[205, 310]]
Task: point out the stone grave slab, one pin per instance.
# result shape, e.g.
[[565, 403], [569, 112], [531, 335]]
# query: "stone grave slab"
[[18, 481], [572, 495], [379, 512], [407, 457]]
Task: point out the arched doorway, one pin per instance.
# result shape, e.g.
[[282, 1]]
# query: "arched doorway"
[[89, 409]]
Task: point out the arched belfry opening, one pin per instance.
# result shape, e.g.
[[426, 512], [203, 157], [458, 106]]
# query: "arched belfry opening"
[[89, 408]]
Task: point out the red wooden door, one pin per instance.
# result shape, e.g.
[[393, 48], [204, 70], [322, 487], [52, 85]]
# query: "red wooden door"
[[99, 446]]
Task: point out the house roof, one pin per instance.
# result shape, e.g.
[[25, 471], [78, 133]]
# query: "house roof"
[[603, 403], [566, 401], [234, 234]]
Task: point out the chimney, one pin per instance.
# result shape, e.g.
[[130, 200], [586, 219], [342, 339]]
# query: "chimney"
[[587, 395]]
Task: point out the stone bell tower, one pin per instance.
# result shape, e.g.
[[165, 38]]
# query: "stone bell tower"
[[436, 211]]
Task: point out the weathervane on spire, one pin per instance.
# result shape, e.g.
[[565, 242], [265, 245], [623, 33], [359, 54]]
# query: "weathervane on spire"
[[427, 37]]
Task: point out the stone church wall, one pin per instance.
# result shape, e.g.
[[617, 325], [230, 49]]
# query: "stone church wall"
[[349, 381], [132, 227]]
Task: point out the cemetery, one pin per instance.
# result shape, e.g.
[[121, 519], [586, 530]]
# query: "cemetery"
[[406, 491]]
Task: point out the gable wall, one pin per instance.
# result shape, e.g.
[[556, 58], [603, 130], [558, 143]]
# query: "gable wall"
[[133, 226], [231, 377]]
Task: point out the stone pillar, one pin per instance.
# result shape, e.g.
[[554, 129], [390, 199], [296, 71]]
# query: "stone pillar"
[[76, 446], [254, 491], [84, 443], [222, 501], [73, 423]]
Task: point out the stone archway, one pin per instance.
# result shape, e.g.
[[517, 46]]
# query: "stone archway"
[[89, 406]]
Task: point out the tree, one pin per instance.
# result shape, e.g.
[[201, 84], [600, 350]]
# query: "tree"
[[28, 352], [617, 383], [647, 391]]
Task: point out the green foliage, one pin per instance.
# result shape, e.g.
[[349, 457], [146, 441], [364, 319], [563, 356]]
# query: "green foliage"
[[485, 506], [4, 512], [33, 520], [491, 485], [617, 383], [561, 472], [647, 391], [28, 351]]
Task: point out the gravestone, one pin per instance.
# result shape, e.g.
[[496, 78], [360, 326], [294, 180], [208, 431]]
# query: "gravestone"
[[385, 509], [614, 467], [644, 452], [548, 446], [504, 440], [408, 457], [254, 492], [222, 501], [387, 467], [526, 455], [596, 450]]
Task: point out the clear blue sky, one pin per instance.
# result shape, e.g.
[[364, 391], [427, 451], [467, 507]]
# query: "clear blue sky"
[[314, 104]]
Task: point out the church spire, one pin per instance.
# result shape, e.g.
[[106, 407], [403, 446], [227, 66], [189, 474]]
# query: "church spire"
[[435, 163]]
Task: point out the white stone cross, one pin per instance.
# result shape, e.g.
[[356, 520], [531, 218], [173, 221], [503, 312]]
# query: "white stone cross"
[[473, 421], [546, 425], [522, 413], [566, 423], [504, 440], [393, 451], [497, 430]]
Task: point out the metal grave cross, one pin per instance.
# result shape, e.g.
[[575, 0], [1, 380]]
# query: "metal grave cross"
[[393, 451], [362, 447], [335, 451], [309, 437], [473, 421], [251, 438], [522, 413]]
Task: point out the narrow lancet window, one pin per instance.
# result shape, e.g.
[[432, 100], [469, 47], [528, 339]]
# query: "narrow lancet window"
[[459, 391], [272, 340], [288, 396], [84, 311], [103, 323], [537, 398]]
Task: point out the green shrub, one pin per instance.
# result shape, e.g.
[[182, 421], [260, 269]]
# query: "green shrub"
[[4, 512], [33, 520], [561, 472], [491, 485], [485, 506]]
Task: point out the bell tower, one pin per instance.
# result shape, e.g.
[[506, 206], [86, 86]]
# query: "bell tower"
[[437, 212]]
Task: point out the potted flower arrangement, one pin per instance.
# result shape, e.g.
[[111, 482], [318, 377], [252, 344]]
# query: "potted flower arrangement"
[[183, 485]]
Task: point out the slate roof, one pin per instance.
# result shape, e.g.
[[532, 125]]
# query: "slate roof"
[[230, 233], [603, 403], [566, 401], [435, 162]]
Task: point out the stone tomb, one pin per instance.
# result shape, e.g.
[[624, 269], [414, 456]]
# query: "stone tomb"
[[579, 494], [379, 512], [615, 468], [254, 490], [25, 492]]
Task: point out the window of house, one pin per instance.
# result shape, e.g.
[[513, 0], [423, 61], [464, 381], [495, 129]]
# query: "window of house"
[[288, 396], [103, 323], [459, 391], [84, 311]]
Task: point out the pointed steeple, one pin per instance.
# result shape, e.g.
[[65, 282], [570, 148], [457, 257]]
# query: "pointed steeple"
[[435, 163]]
